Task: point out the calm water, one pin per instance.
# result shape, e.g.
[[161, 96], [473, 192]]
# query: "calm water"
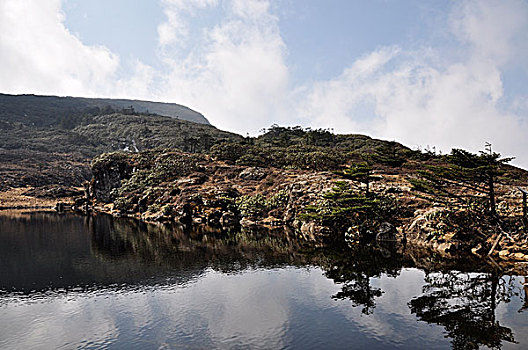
[[75, 282]]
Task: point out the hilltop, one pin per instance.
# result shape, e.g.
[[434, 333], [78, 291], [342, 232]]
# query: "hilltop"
[[47, 142], [66, 111]]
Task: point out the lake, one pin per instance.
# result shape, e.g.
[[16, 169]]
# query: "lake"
[[98, 282]]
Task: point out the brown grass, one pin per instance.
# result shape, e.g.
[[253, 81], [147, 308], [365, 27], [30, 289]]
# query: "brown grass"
[[16, 198]]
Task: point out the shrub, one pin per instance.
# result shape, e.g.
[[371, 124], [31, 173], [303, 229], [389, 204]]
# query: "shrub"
[[154, 208], [343, 207], [278, 200], [251, 206], [167, 209], [254, 160], [123, 204], [229, 151]]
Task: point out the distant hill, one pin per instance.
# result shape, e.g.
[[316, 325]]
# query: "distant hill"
[[47, 140], [53, 110]]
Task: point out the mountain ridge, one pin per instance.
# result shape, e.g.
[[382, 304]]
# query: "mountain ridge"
[[50, 104], [49, 141]]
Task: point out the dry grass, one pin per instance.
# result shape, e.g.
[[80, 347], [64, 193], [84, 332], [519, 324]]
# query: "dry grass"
[[17, 198]]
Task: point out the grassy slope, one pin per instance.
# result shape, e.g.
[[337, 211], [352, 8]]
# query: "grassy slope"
[[54, 110], [54, 143]]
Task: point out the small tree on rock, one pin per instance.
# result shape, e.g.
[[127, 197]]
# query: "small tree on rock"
[[465, 178], [361, 172]]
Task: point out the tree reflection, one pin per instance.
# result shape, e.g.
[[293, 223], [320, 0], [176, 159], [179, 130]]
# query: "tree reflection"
[[354, 268], [464, 304], [525, 288], [357, 289], [178, 247]]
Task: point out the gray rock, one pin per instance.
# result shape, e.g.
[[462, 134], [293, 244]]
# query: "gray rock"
[[312, 229], [245, 222], [386, 232], [214, 217], [352, 234], [107, 175], [229, 219], [253, 173]]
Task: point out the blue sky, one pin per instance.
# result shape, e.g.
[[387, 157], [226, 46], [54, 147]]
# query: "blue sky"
[[321, 37], [426, 73]]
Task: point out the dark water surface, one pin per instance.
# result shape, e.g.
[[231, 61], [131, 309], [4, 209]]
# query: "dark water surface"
[[71, 282]]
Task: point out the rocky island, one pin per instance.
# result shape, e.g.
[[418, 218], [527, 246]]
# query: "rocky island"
[[323, 187], [317, 186]]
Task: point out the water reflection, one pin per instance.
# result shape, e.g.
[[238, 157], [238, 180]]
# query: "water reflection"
[[104, 282], [465, 305], [355, 267], [44, 251], [525, 288]]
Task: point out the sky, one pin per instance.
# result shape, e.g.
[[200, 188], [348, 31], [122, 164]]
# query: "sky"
[[426, 73]]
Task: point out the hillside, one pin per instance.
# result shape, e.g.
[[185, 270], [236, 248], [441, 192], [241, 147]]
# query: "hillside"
[[65, 111], [53, 143], [324, 187], [312, 181]]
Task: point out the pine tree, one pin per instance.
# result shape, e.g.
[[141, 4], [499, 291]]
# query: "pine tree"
[[361, 172], [465, 178]]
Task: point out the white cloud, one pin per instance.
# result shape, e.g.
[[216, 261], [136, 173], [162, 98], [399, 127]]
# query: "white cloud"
[[237, 76], [40, 55], [423, 98], [239, 79], [175, 29], [140, 85], [252, 10], [496, 30]]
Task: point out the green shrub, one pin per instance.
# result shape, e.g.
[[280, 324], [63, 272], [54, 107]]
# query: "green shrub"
[[343, 207], [250, 159], [278, 200], [123, 204], [154, 208], [167, 209], [251, 206], [258, 205], [230, 151]]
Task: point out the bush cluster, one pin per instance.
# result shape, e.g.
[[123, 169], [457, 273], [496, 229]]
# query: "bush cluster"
[[258, 205], [345, 207], [294, 157]]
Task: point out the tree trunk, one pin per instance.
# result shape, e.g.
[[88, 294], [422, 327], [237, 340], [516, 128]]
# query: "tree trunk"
[[492, 195]]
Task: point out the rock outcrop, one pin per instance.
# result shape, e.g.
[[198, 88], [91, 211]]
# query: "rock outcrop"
[[108, 172], [194, 189]]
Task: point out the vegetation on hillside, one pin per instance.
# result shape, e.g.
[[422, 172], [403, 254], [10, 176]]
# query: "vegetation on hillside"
[[44, 111], [32, 149], [161, 156], [93, 135], [464, 179], [344, 207], [319, 149], [353, 199]]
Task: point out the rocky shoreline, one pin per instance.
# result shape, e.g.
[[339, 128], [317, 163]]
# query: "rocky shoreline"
[[203, 191], [302, 189]]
